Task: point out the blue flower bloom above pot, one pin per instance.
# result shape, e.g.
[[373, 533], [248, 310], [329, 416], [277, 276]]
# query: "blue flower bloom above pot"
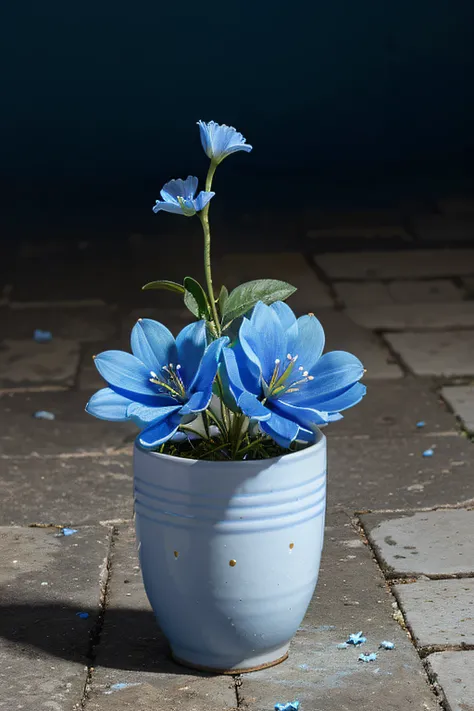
[[277, 374], [220, 141], [164, 383], [178, 197]]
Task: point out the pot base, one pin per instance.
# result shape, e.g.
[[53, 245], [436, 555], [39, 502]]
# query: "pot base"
[[248, 667]]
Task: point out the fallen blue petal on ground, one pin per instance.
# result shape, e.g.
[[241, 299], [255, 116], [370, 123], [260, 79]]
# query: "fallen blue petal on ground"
[[367, 657], [42, 336], [428, 453], [68, 531], [387, 645], [290, 706], [356, 639], [82, 615], [44, 415]]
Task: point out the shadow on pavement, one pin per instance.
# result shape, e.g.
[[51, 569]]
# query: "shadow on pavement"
[[129, 640]]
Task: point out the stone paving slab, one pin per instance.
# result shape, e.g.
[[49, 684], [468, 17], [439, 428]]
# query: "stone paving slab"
[[461, 399], [234, 269], [404, 264], [432, 543], [351, 596], [392, 408], [454, 673], [432, 291], [393, 474], [73, 430], [456, 205], [65, 490], [468, 287], [344, 334], [352, 293], [402, 317], [441, 354], [27, 363], [443, 228], [82, 275], [84, 323], [439, 613], [44, 581], [377, 293], [133, 650]]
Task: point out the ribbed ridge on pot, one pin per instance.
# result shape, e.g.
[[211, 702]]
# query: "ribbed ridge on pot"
[[240, 500]]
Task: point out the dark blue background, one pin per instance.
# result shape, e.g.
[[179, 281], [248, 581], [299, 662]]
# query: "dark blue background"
[[346, 100]]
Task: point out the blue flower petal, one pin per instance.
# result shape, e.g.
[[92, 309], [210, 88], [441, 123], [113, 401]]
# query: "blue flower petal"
[[306, 417], [185, 189], [198, 401], [283, 431], [191, 343], [208, 366], [220, 141], [202, 199], [233, 374], [167, 207], [288, 322], [252, 344], [310, 342], [159, 431], [107, 405], [348, 398], [266, 338], [334, 373], [142, 415], [125, 373], [153, 344], [252, 407]]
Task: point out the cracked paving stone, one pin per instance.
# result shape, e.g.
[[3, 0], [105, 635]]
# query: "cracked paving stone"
[[392, 409], [461, 399], [351, 595], [44, 645], [133, 650], [439, 613], [27, 363], [72, 431], [429, 543], [406, 264], [65, 490], [454, 673], [437, 353], [393, 474], [77, 324]]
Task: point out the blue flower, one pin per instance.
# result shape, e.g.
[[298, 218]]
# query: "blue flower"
[[219, 141], [277, 375], [164, 382], [178, 196]]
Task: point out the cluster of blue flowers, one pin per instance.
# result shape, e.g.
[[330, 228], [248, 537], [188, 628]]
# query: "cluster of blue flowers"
[[273, 373]]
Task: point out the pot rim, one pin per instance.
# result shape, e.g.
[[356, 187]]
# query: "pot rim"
[[320, 444]]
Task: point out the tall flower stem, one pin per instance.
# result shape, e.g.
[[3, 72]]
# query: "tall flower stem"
[[204, 217]]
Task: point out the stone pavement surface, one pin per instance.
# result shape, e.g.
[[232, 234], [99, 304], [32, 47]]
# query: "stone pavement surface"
[[398, 561]]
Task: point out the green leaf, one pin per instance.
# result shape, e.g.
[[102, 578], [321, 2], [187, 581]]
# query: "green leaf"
[[244, 297], [195, 298], [223, 296], [163, 284]]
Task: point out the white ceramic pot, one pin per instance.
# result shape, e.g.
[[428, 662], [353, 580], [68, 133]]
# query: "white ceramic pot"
[[230, 552]]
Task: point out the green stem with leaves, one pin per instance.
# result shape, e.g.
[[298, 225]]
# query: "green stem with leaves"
[[204, 217]]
